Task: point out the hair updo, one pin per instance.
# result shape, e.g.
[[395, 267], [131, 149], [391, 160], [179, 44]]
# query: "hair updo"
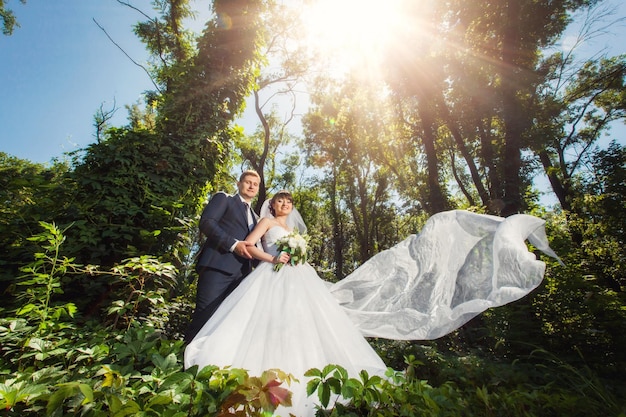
[[281, 194]]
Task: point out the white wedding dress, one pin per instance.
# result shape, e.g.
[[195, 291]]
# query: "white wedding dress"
[[426, 286]]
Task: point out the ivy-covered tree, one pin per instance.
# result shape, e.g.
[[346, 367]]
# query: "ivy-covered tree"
[[139, 188]]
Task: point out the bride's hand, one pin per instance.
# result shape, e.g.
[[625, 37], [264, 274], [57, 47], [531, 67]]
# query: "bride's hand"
[[281, 258]]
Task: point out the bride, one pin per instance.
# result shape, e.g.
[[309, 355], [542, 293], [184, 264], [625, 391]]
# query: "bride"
[[460, 264]]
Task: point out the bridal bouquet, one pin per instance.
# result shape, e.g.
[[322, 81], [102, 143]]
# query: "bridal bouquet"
[[295, 245]]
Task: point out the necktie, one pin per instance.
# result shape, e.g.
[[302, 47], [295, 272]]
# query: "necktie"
[[250, 216]]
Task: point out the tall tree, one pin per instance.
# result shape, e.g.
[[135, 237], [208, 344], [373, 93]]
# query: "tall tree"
[[276, 81], [134, 183], [509, 36], [473, 70], [415, 74], [343, 134], [575, 112]]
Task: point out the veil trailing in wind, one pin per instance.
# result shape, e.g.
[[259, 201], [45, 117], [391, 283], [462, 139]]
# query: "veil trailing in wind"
[[458, 266], [432, 283]]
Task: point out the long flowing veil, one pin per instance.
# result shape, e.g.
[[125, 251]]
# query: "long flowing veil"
[[458, 266]]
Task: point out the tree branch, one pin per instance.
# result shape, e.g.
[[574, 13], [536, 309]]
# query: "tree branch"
[[128, 56]]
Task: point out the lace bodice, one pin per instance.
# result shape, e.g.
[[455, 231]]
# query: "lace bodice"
[[271, 236]]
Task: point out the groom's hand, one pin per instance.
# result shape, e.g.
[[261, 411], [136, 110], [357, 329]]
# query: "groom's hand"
[[241, 249]]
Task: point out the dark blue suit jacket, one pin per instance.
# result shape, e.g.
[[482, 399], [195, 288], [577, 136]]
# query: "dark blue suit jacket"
[[224, 220]]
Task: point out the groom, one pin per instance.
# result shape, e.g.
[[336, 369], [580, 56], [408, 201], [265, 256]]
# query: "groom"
[[223, 261]]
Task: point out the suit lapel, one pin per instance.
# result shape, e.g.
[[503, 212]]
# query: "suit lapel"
[[241, 207], [244, 210]]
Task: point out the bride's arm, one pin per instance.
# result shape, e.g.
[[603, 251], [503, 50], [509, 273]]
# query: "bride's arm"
[[257, 253], [261, 255], [259, 230]]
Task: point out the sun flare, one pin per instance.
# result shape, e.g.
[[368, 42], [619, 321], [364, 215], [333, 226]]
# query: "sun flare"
[[351, 33]]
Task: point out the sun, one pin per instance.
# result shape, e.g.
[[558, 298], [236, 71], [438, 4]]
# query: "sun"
[[351, 34]]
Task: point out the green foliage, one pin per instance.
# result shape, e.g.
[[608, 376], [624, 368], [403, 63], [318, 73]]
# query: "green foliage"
[[7, 19], [203, 92], [30, 193], [138, 189], [144, 281], [14, 392], [49, 367], [129, 195], [578, 105], [347, 136], [541, 386], [42, 280], [132, 373], [598, 217], [142, 284], [132, 194], [61, 369], [52, 368]]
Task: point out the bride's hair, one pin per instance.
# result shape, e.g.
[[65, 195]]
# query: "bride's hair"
[[294, 219], [281, 194]]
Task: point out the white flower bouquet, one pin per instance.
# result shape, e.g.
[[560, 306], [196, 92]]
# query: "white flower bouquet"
[[295, 245]]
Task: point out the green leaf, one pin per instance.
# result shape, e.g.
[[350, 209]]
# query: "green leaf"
[[334, 384], [159, 399], [36, 344], [131, 408], [63, 392], [115, 404], [179, 381], [324, 394], [311, 386], [313, 372], [87, 392], [171, 362]]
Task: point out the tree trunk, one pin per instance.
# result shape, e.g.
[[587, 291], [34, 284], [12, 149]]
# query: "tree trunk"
[[436, 201], [337, 231], [557, 186], [512, 111], [458, 138]]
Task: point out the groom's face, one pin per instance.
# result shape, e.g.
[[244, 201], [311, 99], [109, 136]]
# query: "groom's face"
[[248, 187]]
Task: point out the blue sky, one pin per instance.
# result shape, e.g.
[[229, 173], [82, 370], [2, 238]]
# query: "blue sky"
[[59, 67]]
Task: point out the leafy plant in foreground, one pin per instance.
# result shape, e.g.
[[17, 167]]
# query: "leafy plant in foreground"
[[42, 280]]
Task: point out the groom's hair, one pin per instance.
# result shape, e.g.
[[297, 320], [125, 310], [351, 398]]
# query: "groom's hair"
[[249, 172]]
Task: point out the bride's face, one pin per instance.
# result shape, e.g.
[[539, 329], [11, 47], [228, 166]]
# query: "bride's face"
[[282, 206]]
